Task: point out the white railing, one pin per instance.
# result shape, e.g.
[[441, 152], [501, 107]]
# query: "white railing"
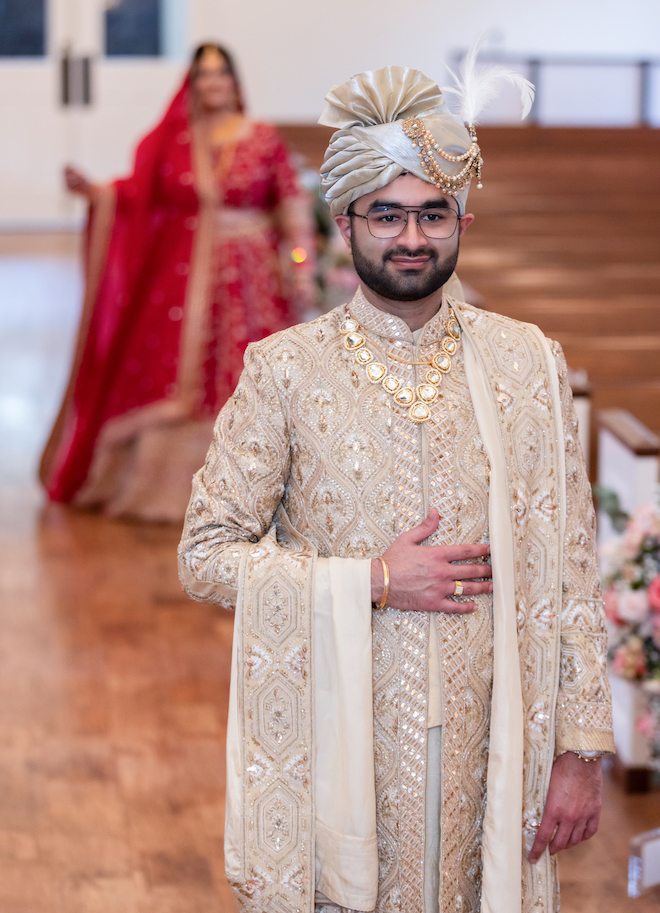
[[628, 463], [581, 91]]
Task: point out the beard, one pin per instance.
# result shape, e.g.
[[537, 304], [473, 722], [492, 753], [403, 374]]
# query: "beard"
[[407, 285]]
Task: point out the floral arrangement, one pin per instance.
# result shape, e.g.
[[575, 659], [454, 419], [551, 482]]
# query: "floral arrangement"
[[631, 566]]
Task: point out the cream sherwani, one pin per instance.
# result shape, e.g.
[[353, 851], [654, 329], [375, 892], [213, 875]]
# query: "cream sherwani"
[[311, 461]]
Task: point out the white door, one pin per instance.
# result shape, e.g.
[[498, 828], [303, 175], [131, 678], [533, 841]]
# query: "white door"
[[39, 133]]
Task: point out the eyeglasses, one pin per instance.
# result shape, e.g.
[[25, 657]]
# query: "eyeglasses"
[[391, 221]]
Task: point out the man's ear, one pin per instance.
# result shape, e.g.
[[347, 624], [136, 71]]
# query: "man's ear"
[[464, 224], [344, 226]]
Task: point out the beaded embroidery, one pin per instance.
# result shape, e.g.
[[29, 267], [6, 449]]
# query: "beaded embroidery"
[[429, 150]]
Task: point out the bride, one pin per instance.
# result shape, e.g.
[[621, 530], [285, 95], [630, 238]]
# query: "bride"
[[184, 267]]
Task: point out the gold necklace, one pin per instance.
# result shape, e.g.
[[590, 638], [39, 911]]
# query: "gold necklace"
[[416, 399]]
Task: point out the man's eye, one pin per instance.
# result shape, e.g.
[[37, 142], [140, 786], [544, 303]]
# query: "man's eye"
[[439, 216], [387, 217]]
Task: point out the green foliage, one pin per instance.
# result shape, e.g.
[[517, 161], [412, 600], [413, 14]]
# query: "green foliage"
[[608, 501]]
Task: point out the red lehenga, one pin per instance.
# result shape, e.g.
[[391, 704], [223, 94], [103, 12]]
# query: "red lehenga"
[[183, 271]]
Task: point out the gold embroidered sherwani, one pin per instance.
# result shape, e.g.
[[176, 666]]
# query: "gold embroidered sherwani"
[[311, 459]]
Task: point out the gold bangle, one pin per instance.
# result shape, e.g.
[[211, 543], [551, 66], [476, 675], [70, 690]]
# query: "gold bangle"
[[386, 586]]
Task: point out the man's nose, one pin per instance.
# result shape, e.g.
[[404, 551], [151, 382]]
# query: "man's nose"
[[412, 235]]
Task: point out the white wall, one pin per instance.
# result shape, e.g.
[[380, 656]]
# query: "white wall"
[[292, 51], [40, 137]]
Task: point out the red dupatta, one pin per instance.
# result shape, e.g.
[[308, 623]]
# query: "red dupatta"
[[145, 240]]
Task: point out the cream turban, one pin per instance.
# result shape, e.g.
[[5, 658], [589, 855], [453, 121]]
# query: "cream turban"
[[370, 148]]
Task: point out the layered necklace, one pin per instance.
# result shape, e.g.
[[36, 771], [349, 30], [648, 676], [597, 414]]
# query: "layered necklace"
[[415, 399]]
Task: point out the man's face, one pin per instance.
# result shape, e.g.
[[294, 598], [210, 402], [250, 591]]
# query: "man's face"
[[410, 266]]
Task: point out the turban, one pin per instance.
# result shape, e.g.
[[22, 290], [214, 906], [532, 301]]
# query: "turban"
[[370, 148], [395, 119]]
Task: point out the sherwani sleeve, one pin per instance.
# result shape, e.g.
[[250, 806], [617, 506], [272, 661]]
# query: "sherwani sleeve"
[[282, 688], [239, 489], [584, 712]]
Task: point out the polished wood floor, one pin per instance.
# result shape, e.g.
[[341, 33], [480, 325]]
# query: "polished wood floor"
[[113, 686]]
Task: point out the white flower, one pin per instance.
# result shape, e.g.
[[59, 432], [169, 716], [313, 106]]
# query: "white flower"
[[652, 686], [611, 557], [633, 605], [647, 519]]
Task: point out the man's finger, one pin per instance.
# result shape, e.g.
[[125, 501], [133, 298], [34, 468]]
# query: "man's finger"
[[591, 828], [543, 838], [469, 571], [562, 837], [453, 608], [428, 526], [577, 835], [469, 589], [467, 550], [475, 589]]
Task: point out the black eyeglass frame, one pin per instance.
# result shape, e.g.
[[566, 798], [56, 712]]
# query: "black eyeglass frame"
[[416, 209]]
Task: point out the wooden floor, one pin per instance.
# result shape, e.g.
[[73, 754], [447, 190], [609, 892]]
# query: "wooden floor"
[[113, 686]]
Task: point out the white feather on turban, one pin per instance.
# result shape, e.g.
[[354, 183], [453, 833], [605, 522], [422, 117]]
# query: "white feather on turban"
[[370, 149]]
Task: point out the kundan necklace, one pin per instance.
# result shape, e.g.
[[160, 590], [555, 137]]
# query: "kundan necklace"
[[416, 399]]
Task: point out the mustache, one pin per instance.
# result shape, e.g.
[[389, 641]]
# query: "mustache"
[[401, 252]]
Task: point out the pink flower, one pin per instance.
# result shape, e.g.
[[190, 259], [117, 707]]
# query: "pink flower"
[[655, 636], [632, 539], [633, 605], [621, 666], [653, 594], [612, 607], [611, 556], [646, 724], [629, 660], [647, 520]]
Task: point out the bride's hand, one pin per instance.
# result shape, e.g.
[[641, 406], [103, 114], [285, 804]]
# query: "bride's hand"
[[76, 182]]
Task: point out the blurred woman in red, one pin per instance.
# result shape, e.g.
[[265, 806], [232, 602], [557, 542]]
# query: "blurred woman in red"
[[184, 269]]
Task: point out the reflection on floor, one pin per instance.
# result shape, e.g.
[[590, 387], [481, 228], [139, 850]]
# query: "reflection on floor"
[[113, 686]]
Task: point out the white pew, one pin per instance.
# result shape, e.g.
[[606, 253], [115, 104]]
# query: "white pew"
[[628, 461]]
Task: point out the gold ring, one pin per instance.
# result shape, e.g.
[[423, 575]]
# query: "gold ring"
[[458, 587]]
